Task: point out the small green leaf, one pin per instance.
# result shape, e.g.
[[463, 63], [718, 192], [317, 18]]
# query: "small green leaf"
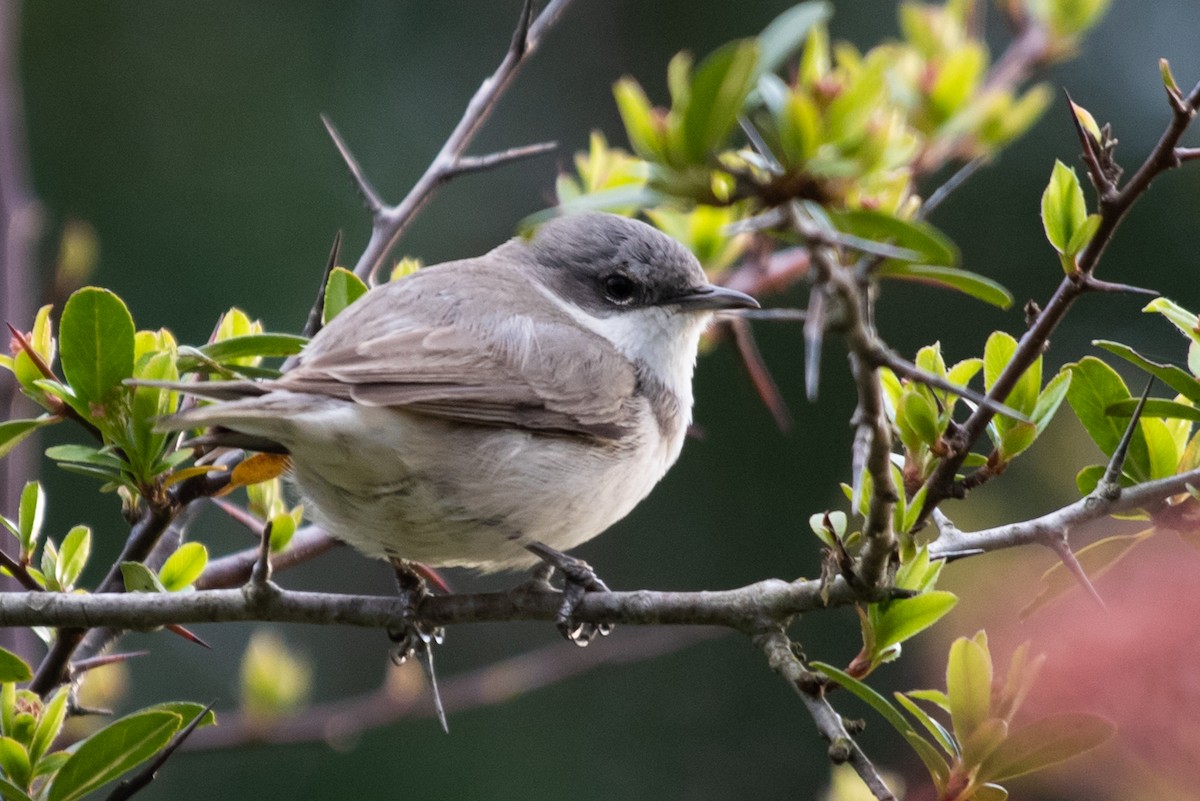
[[645, 133], [1177, 379], [49, 724], [986, 738], [788, 32], [14, 760], [1094, 387], [11, 792], [1155, 407], [939, 732], [1179, 317], [30, 513], [990, 792], [342, 289], [13, 432], [13, 668], [187, 710], [97, 344], [111, 751], [718, 91], [907, 617], [183, 567], [1086, 121], [932, 246], [969, 283], [1050, 399], [1046, 742], [1063, 207], [1083, 234], [73, 556], [139, 578], [251, 345], [968, 686]]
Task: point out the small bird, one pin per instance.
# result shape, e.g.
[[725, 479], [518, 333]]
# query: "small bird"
[[491, 412]]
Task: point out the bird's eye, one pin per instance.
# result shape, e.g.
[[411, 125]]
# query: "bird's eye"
[[619, 288]]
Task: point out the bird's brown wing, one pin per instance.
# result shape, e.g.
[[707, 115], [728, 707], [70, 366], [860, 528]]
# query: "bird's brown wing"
[[475, 342]]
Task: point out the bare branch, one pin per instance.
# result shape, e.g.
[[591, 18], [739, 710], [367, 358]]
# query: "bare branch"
[[810, 688], [1045, 529], [469, 164], [390, 222]]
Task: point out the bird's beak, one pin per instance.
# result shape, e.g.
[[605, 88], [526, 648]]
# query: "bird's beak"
[[714, 298]]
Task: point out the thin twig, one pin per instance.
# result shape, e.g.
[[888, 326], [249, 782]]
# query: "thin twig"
[[464, 165], [1109, 485], [810, 688], [388, 223], [760, 374]]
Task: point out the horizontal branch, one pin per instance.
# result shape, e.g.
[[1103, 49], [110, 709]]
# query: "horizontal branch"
[[747, 608], [1051, 527]]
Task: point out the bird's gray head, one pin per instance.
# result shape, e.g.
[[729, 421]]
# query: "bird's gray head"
[[636, 287], [607, 265]]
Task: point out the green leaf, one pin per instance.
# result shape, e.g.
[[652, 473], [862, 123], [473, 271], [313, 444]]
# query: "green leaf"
[[986, 738], [1050, 399], [12, 432], [1046, 742], [1063, 207], [11, 792], [1084, 234], [73, 556], [342, 289], [96, 339], [139, 578], [645, 133], [30, 513], [907, 617], [187, 710], [250, 345], [969, 283], [998, 351], [183, 567], [1179, 317], [14, 760], [112, 751], [934, 763], [1155, 407], [990, 792], [13, 668], [939, 732], [933, 247], [968, 686], [86, 454], [1174, 377], [1094, 387], [787, 33], [49, 725], [718, 91]]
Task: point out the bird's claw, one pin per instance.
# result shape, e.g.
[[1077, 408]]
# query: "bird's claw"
[[413, 638], [578, 579]]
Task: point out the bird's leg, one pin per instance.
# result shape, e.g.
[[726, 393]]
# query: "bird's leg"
[[578, 579], [412, 638]]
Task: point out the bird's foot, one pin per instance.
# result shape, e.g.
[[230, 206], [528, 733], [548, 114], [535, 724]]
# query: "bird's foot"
[[412, 638], [578, 579]]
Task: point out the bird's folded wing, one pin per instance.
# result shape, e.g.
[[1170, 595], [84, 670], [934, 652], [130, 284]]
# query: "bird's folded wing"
[[551, 376]]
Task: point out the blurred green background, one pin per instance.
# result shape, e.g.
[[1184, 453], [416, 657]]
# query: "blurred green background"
[[187, 134]]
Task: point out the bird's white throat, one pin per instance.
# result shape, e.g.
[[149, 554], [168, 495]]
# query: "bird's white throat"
[[662, 338]]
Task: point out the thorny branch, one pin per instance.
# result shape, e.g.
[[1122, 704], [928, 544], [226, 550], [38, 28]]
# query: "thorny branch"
[[388, 223], [1113, 207]]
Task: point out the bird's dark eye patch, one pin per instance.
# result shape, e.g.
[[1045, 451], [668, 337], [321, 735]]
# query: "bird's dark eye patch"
[[620, 288]]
